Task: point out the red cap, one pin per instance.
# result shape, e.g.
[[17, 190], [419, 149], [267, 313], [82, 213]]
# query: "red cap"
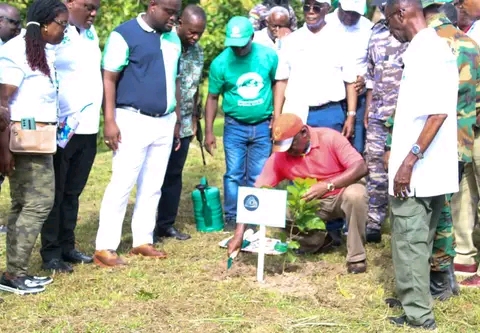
[[285, 127]]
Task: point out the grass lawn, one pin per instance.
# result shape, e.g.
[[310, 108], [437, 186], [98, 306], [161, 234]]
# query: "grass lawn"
[[191, 291]]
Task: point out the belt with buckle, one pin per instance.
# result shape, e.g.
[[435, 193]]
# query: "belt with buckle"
[[322, 107], [132, 109]]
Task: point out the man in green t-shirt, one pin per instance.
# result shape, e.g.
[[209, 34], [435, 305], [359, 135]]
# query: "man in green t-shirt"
[[244, 74]]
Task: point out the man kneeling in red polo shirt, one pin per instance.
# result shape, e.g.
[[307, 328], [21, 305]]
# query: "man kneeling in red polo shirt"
[[301, 151]]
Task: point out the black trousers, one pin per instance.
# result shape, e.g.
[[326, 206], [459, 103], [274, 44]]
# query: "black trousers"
[[172, 187], [72, 167]]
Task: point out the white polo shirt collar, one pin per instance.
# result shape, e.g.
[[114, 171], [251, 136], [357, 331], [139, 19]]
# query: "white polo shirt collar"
[[144, 24]]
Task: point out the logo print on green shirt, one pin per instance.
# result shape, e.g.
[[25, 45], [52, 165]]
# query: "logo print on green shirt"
[[249, 85]]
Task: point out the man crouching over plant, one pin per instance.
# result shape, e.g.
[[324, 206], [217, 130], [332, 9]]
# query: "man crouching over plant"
[[301, 151]]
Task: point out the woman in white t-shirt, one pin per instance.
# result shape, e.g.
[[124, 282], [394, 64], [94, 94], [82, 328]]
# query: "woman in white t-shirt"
[[28, 89]]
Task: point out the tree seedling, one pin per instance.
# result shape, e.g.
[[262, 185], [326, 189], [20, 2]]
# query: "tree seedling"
[[303, 215]]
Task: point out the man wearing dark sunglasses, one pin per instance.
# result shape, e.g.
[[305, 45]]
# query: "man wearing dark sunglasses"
[[316, 73], [9, 22], [356, 31]]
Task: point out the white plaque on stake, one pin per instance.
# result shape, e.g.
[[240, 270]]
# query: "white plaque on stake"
[[262, 207]]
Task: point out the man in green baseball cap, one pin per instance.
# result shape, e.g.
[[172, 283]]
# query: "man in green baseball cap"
[[239, 31], [244, 74]]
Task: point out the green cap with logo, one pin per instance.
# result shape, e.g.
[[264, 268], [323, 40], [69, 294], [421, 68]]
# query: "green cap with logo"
[[426, 3], [239, 31]]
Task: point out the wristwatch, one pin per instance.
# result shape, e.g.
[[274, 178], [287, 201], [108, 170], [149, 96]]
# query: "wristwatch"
[[351, 113], [416, 151], [330, 187]]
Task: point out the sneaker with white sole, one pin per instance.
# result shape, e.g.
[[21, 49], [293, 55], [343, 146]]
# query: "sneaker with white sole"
[[40, 280], [20, 285]]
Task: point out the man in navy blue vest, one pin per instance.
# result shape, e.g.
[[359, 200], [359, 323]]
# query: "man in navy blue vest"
[[140, 64]]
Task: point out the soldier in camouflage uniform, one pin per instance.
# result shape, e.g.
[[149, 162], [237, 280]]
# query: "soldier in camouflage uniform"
[[443, 282], [384, 71]]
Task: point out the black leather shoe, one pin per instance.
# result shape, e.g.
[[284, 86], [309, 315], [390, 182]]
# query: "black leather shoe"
[[336, 236], [393, 303], [440, 286], [429, 324], [77, 257], [373, 236], [174, 233], [58, 266]]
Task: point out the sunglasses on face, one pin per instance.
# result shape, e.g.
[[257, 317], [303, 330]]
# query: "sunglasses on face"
[[316, 8], [15, 23]]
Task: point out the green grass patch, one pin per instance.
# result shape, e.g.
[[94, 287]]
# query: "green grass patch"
[[192, 291]]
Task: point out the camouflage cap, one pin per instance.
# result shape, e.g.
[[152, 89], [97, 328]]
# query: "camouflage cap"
[[426, 3]]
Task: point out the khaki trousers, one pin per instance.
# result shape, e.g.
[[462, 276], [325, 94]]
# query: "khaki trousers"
[[465, 207], [352, 204]]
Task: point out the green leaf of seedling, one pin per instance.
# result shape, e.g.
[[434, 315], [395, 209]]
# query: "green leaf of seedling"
[[294, 245], [292, 190], [310, 181], [283, 237], [316, 224]]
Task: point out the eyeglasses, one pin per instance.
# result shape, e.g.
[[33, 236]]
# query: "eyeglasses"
[[276, 26], [316, 8], [63, 24], [15, 23]]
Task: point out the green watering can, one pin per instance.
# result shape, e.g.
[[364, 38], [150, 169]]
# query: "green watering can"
[[207, 207]]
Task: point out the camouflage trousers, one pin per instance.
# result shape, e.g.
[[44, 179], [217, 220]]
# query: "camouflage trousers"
[[377, 179], [443, 250], [32, 190]]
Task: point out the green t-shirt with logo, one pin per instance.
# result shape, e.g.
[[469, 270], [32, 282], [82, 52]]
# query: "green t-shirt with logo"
[[245, 83]]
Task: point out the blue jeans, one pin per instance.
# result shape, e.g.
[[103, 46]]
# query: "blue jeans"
[[247, 148], [359, 139], [331, 116]]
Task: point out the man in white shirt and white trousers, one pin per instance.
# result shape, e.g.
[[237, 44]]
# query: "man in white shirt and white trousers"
[[423, 163]]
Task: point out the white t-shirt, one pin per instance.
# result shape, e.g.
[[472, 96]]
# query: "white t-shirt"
[[316, 66], [429, 86], [356, 37], [36, 96], [78, 60]]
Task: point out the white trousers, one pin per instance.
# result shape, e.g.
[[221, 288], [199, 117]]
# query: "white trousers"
[[141, 158]]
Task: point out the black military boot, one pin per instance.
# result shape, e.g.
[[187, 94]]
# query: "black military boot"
[[440, 286], [452, 280]]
